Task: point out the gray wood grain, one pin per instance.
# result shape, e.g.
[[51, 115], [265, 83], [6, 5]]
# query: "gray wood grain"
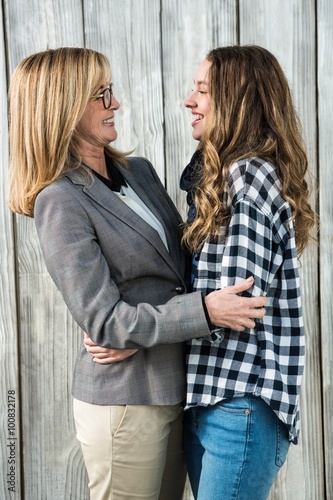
[[10, 445], [154, 47], [325, 144]]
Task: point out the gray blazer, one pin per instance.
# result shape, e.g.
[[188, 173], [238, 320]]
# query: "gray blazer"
[[121, 284]]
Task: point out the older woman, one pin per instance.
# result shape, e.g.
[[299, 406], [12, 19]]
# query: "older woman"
[[110, 238]]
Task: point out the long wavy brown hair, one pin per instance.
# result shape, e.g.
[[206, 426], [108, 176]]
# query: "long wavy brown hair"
[[251, 115], [48, 94]]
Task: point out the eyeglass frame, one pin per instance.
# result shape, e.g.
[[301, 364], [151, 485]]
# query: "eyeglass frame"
[[102, 96]]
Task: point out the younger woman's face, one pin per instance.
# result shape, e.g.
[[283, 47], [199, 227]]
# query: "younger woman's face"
[[199, 101]]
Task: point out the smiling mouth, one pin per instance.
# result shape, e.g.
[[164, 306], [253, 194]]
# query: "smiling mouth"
[[108, 120], [196, 119]]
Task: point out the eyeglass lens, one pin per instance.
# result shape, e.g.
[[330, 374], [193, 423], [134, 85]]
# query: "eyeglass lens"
[[107, 97]]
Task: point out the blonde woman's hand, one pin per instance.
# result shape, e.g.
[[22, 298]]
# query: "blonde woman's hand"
[[229, 310], [104, 355]]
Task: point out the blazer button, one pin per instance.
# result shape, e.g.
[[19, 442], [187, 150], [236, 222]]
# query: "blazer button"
[[180, 289]]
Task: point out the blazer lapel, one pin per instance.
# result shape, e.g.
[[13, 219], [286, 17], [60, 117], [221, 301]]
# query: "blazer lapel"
[[159, 207], [103, 196]]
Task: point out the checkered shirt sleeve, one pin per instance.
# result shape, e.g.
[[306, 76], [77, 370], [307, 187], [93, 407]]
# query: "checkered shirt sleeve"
[[268, 361]]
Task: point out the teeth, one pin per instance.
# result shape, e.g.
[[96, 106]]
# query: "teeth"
[[197, 117], [109, 120]]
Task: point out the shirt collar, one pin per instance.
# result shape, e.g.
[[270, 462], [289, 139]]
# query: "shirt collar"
[[117, 179]]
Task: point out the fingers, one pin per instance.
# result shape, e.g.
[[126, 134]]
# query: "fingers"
[[87, 341], [242, 286], [104, 361], [104, 355], [95, 349], [258, 312], [113, 356], [108, 358], [256, 301], [246, 324]]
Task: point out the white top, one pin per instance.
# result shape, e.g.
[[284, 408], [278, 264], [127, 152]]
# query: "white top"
[[129, 196]]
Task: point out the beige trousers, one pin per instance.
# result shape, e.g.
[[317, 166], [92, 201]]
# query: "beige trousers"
[[132, 451]]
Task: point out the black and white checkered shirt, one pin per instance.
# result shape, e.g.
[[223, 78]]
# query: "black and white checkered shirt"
[[267, 361]]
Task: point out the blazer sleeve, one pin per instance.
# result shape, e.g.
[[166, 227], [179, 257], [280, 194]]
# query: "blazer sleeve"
[[80, 271]]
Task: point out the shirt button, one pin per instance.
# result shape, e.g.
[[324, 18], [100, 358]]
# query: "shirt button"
[[180, 289]]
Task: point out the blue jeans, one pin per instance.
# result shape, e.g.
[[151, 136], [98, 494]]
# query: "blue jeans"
[[234, 449]]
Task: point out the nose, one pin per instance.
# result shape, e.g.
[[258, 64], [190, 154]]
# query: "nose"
[[190, 101], [114, 103]]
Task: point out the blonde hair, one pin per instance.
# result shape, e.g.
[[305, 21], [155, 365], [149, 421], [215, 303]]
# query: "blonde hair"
[[252, 114], [48, 94]]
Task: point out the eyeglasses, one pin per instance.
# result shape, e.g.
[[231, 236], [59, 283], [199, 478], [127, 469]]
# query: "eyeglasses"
[[106, 95]]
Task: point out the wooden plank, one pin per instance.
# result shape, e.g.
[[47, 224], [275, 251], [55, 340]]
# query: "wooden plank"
[[41, 24], [10, 464], [291, 37], [49, 341], [189, 30], [128, 33], [325, 112]]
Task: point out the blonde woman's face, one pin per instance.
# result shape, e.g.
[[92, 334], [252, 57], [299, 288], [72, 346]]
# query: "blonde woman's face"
[[199, 100], [97, 124]]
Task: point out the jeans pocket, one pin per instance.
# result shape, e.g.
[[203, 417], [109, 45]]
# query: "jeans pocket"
[[282, 443], [237, 406]]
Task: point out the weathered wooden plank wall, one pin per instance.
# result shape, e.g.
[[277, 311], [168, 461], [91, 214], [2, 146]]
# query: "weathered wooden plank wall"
[[325, 155], [154, 47], [9, 388]]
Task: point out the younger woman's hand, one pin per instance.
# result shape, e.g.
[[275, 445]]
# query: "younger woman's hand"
[[105, 356]]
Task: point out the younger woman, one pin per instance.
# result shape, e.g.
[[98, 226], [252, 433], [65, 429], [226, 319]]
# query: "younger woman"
[[249, 215]]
